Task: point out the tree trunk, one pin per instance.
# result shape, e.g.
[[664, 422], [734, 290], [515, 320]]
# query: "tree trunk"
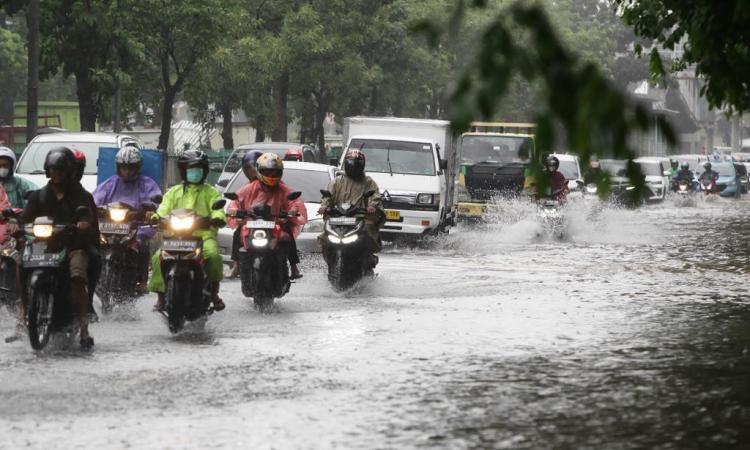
[[281, 92], [32, 98], [260, 124], [320, 117], [86, 103], [226, 131], [166, 117]]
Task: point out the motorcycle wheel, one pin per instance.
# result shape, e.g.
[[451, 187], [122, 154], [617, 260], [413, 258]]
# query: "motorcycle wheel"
[[337, 272], [40, 304], [262, 297], [177, 290]]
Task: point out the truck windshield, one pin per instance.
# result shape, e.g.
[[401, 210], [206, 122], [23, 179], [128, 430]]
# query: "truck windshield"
[[412, 158], [570, 170], [33, 157], [499, 149]]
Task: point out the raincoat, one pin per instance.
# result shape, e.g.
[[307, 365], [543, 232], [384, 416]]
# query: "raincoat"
[[199, 198], [4, 204], [134, 193], [344, 189], [16, 188], [255, 192]]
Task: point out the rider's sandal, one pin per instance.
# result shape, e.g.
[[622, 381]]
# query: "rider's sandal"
[[87, 342], [219, 304]]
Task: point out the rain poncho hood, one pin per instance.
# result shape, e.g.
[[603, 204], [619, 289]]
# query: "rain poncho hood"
[[15, 186]]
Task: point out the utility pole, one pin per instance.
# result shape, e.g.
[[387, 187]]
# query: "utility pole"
[[32, 98]]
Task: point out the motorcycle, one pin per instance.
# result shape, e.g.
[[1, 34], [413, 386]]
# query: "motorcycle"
[[347, 253], [264, 267], [118, 228], [553, 221], [188, 290], [683, 191], [10, 258], [46, 279], [709, 189]]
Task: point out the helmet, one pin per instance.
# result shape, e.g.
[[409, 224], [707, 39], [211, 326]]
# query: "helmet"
[[354, 164], [685, 166], [270, 168], [80, 163], [707, 165], [248, 160], [193, 158], [294, 154], [552, 163], [673, 163], [129, 156], [61, 158], [5, 152]]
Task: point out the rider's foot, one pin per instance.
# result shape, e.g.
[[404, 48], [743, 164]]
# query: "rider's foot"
[[295, 273], [87, 342], [218, 304], [160, 302], [235, 271]]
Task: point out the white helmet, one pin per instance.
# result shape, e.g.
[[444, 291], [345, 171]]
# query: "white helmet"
[[5, 152], [129, 156]]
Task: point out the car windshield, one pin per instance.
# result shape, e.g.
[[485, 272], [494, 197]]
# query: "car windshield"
[[384, 156], [650, 169], [309, 182], [614, 168], [33, 157], [570, 170], [724, 169], [502, 149], [234, 163]]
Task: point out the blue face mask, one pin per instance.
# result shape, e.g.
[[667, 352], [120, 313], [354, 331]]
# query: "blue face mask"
[[194, 175]]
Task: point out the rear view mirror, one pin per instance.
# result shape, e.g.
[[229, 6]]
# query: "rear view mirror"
[[580, 183], [157, 199], [230, 195], [218, 204], [443, 164], [325, 193], [369, 194], [294, 195]]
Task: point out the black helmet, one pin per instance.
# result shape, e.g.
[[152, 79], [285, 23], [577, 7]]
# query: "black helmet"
[[707, 165], [354, 164], [193, 158], [61, 158], [673, 163], [552, 162]]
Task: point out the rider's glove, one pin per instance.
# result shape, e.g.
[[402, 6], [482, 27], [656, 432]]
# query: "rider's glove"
[[371, 210], [154, 219]]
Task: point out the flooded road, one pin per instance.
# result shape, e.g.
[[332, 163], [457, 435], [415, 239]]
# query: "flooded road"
[[633, 332]]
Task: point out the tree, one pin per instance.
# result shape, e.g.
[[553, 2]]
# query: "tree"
[[12, 69], [713, 36]]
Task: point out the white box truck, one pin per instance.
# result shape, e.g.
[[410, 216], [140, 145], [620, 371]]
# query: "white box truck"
[[414, 163]]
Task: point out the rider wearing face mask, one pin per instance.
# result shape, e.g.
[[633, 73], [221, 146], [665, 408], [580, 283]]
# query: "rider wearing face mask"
[[15, 186], [193, 194]]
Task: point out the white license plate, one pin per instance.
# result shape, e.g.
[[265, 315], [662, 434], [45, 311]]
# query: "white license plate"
[[342, 220], [261, 224], [114, 228], [175, 245]]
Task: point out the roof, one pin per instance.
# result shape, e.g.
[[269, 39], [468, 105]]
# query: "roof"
[[307, 166], [83, 136], [270, 145]]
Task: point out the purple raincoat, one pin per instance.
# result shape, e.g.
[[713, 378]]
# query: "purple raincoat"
[[134, 193]]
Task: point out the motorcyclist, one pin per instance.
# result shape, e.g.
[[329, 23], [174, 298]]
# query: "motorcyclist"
[[593, 172], [350, 188], [673, 168], [16, 187], [248, 168], [710, 175], [129, 186], [558, 185], [193, 193], [268, 189], [59, 199], [683, 174]]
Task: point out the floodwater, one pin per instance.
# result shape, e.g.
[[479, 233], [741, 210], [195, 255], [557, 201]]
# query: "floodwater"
[[634, 331]]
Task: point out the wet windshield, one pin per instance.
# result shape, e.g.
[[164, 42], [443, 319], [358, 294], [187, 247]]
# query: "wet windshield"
[[384, 156], [235, 161], [309, 182], [651, 169], [570, 170], [614, 168], [503, 149], [33, 158]]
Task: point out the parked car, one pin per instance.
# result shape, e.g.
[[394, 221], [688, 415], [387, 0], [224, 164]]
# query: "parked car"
[[619, 183], [308, 178], [31, 163], [570, 167], [234, 163], [656, 181]]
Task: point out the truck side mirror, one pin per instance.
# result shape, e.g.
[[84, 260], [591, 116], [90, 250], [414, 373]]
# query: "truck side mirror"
[[443, 164]]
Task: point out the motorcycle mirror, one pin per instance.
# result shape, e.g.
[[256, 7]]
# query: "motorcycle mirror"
[[580, 183], [294, 195], [8, 213], [157, 199], [218, 204], [369, 194], [230, 195], [325, 193]]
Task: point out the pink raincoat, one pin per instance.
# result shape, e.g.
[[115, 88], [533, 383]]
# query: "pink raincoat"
[[255, 192], [4, 204]]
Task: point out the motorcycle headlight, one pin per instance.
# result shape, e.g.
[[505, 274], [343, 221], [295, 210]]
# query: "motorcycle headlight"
[[313, 226], [425, 199], [591, 189], [118, 214], [350, 239], [43, 230], [181, 223], [334, 239]]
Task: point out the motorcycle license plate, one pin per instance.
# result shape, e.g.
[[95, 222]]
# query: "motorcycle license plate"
[[260, 224], [176, 245], [114, 228], [342, 220], [391, 214]]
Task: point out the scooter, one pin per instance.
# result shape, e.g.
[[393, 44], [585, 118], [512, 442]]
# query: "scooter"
[[10, 259], [188, 290], [709, 189], [264, 267], [346, 252], [553, 222]]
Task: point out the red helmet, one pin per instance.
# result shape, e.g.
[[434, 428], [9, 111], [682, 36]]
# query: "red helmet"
[[293, 154], [80, 164]]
